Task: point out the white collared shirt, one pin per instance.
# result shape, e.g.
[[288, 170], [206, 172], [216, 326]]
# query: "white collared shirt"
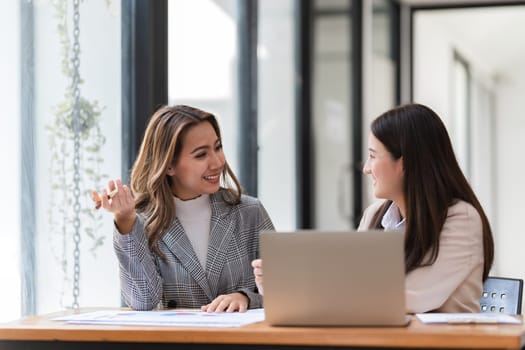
[[392, 220]]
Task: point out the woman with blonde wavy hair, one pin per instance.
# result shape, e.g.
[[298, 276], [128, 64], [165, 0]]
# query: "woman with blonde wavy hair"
[[184, 234]]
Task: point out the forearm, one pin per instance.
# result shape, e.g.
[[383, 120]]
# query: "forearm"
[[125, 223], [141, 282]]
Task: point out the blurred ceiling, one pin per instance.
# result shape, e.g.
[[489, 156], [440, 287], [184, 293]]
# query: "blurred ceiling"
[[495, 34]]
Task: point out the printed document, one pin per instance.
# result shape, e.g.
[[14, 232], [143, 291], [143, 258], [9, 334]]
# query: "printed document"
[[180, 318], [462, 318]]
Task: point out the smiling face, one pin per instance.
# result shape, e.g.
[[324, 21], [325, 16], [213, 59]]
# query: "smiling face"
[[386, 172], [200, 164]]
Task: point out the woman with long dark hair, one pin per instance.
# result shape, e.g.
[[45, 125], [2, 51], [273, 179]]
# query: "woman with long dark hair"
[[449, 247]]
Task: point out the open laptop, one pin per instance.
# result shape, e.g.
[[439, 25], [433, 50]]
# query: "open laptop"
[[316, 278]]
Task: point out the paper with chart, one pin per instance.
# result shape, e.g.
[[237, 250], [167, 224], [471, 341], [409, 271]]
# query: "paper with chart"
[[462, 318], [180, 318]]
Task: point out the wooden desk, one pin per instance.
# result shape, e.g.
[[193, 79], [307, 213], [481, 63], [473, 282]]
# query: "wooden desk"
[[39, 332]]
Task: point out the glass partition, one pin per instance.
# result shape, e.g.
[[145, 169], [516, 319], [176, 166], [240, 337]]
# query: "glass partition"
[[10, 66], [277, 152], [332, 114], [202, 62], [62, 132]]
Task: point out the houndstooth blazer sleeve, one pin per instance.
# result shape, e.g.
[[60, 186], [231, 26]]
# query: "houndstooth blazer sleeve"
[[180, 280], [140, 279]]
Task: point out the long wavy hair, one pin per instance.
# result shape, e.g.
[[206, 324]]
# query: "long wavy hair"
[[161, 147], [433, 181]]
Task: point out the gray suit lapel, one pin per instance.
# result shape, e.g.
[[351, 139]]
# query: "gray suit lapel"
[[221, 234], [179, 244]]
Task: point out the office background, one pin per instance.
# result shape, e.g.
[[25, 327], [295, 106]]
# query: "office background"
[[295, 84]]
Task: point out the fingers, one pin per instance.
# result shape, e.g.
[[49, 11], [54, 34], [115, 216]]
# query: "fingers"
[[99, 198], [257, 263], [227, 303], [258, 273], [105, 200], [259, 283], [96, 198], [116, 193], [219, 304], [242, 308], [113, 185], [117, 196], [257, 268]]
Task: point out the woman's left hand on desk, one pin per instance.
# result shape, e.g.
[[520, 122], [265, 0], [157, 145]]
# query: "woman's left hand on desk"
[[227, 303]]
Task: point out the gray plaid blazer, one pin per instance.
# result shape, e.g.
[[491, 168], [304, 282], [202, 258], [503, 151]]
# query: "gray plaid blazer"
[[180, 281]]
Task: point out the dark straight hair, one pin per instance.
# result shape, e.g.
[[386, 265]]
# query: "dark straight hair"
[[433, 181]]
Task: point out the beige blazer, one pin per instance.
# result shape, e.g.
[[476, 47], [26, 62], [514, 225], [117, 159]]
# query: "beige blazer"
[[454, 282]]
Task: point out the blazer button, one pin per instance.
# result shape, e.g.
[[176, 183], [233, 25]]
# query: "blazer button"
[[172, 303]]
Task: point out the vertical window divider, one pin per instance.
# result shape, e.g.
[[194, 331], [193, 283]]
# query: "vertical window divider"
[[303, 114], [27, 210], [144, 71], [357, 106], [247, 89]]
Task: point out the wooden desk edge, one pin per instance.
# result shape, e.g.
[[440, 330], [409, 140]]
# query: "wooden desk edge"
[[42, 328]]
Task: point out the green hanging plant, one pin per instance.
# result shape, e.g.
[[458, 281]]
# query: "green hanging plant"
[[61, 135]]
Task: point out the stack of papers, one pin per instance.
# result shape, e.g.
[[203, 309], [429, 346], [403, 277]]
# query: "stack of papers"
[[180, 318], [462, 318]]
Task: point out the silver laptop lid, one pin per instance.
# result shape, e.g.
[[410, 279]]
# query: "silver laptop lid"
[[334, 278]]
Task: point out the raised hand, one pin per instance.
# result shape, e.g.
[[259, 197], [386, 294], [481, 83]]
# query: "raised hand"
[[117, 199]]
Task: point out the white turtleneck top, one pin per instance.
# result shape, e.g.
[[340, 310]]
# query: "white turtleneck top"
[[195, 217]]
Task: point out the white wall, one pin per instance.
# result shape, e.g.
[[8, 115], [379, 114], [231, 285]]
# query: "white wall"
[[431, 66], [435, 40], [510, 165]]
